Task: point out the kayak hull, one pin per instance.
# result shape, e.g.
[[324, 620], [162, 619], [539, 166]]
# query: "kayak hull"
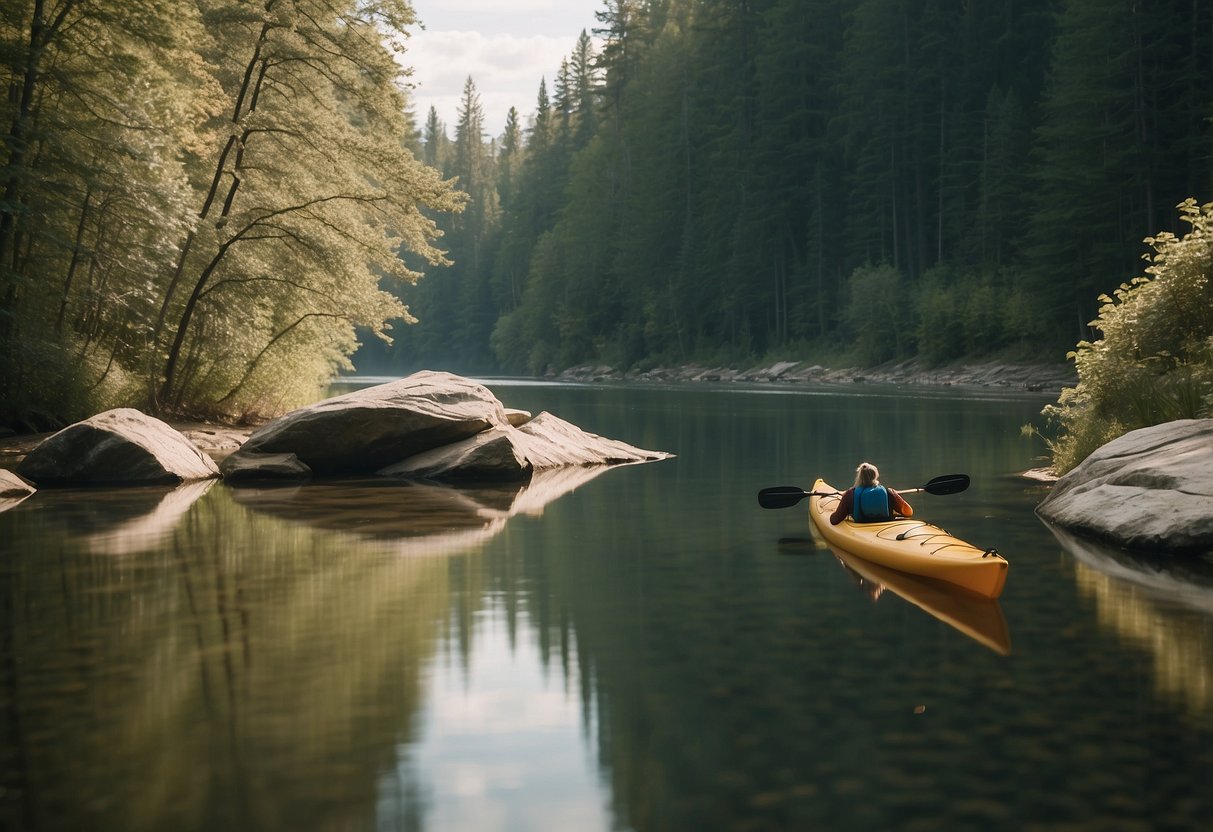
[[910, 545]]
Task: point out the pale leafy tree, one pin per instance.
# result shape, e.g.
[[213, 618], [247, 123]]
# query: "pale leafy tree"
[[92, 191], [199, 199], [309, 197]]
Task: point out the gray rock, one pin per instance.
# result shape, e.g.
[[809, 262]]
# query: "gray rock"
[[1151, 489], [121, 446], [13, 490], [517, 417], [496, 455], [250, 466], [512, 454], [12, 485], [554, 443], [365, 430]]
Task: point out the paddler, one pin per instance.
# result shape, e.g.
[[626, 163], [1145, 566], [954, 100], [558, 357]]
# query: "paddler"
[[868, 501]]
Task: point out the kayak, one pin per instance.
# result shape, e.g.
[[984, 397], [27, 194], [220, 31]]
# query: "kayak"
[[910, 545], [980, 619]]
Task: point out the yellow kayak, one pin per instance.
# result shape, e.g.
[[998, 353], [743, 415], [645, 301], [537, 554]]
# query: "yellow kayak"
[[910, 545]]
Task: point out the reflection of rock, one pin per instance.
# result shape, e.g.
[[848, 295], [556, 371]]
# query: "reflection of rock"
[[1142, 600], [121, 446], [512, 454], [1151, 489], [414, 517], [142, 533], [1176, 640], [13, 489], [1188, 581], [115, 521], [362, 431]]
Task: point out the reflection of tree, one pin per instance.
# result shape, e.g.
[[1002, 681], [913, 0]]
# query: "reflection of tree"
[[269, 642], [245, 659]]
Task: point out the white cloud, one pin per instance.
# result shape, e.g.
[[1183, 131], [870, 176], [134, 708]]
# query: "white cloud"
[[507, 47], [505, 68]]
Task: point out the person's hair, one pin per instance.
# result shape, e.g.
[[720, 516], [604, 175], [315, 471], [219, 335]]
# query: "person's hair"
[[867, 475]]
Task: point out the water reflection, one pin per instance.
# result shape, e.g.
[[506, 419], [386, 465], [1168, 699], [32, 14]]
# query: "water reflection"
[[642, 657], [414, 518], [1154, 605], [147, 528], [980, 619], [253, 643]]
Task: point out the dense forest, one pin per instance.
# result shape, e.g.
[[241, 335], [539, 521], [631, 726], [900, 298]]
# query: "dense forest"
[[723, 181], [206, 206]]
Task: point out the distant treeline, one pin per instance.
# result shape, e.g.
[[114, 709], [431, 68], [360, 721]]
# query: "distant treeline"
[[724, 180]]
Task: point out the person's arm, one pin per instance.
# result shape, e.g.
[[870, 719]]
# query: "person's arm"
[[900, 506], [844, 507]]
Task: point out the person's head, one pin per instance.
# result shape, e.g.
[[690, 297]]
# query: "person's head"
[[866, 475]]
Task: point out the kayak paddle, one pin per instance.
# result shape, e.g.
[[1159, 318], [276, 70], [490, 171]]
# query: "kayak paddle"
[[783, 496]]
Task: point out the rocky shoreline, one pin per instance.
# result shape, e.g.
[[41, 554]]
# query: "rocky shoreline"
[[218, 440], [1036, 378]]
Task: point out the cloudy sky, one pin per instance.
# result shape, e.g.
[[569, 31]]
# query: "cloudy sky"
[[507, 46]]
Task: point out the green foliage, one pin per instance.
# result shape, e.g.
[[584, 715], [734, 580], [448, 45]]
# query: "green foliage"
[[1154, 362], [877, 314], [718, 191], [200, 200]]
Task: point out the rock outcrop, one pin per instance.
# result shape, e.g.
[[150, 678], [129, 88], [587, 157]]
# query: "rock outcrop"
[[364, 431], [430, 425], [512, 454], [1150, 490], [117, 447], [13, 489]]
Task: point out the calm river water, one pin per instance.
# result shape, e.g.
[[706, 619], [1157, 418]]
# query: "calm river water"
[[645, 649]]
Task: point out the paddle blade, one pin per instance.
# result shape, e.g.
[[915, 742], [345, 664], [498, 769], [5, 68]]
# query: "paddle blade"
[[781, 496], [947, 484]]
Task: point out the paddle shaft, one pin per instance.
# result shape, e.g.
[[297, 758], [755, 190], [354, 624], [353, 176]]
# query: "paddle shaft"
[[785, 496]]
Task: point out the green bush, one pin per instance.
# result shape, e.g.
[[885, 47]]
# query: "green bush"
[[1154, 362], [877, 315]]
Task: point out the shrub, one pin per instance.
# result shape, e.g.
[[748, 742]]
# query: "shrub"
[[1154, 362]]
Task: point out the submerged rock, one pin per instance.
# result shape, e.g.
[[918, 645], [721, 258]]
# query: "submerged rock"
[[121, 446], [250, 466], [1151, 489]]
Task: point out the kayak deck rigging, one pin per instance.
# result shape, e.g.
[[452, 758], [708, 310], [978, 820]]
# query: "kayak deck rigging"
[[910, 545]]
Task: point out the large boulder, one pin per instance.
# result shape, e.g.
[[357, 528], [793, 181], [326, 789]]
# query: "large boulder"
[[511, 454], [121, 446], [363, 431], [1151, 489]]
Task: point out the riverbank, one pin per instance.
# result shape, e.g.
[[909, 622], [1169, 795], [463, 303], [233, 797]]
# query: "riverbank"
[[1043, 378]]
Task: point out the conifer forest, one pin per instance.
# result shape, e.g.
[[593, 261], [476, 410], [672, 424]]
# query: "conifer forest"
[[209, 206]]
